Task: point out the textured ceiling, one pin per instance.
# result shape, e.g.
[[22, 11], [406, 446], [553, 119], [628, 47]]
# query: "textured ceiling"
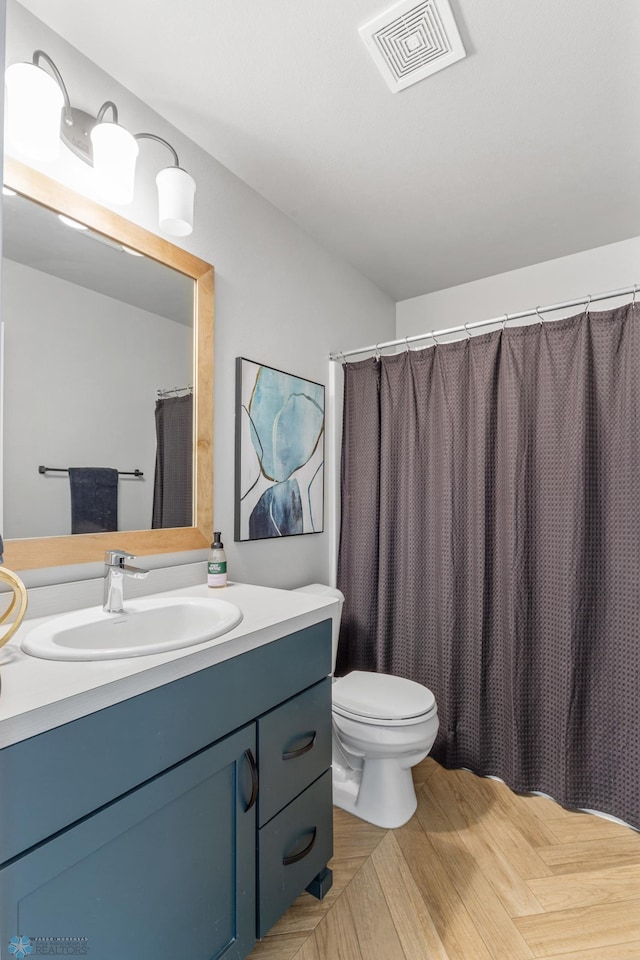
[[528, 149]]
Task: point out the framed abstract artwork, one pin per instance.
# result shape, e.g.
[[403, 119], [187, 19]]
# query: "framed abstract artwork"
[[279, 453]]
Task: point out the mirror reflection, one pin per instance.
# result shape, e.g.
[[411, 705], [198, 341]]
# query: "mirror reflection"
[[97, 375]]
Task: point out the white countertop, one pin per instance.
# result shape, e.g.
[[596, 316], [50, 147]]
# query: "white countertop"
[[37, 695]]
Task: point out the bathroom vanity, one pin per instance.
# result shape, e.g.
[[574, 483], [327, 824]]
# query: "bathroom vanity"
[[183, 819]]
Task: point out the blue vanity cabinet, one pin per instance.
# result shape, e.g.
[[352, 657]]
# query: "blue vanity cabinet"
[[167, 871], [180, 822]]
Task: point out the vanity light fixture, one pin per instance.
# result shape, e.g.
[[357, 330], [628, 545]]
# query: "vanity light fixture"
[[39, 115], [98, 237], [108, 242], [69, 222]]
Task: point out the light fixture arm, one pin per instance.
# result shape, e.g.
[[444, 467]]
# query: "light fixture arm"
[[153, 136], [108, 105], [39, 55]]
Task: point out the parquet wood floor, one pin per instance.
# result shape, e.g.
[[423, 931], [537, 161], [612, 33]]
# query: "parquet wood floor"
[[479, 873]]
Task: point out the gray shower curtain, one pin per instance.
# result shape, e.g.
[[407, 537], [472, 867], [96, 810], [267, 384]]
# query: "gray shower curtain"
[[173, 484], [490, 548]]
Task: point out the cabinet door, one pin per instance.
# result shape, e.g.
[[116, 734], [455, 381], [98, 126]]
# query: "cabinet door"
[[166, 871]]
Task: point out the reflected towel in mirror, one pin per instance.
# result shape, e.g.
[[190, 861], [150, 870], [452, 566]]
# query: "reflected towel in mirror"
[[94, 499]]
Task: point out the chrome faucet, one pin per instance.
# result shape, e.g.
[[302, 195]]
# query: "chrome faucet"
[[115, 570]]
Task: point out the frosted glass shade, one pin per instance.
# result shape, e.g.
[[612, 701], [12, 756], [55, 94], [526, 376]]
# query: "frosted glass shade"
[[176, 193], [33, 106], [115, 151]]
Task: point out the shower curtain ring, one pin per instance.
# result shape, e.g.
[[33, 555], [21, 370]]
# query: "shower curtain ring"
[[406, 340], [506, 318], [588, 304], [540, 317], [377, 352], [466, 331], [635, 290], [433, 337]]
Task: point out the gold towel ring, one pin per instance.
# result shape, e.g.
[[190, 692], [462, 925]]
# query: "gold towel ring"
[[19, 598]]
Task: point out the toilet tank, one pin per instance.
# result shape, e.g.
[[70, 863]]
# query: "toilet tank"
[[320, 589]]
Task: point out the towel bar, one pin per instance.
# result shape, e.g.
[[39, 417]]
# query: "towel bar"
[[121, 473]]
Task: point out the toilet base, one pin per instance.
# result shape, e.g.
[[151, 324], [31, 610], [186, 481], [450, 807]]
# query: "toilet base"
[[381, 793]]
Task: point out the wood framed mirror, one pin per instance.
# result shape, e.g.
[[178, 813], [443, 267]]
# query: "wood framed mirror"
[[30, 552]]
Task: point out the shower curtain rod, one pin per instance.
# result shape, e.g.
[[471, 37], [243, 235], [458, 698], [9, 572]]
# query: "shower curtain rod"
[[163, 394], [341, 355]]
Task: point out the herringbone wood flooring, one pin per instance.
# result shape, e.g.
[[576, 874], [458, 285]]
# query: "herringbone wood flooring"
[[479, 873]]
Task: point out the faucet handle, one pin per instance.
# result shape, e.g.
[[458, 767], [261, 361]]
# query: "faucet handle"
[[116, 558]]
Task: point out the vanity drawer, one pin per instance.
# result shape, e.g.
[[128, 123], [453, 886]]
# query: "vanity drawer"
[[292, 849], [294, 747]]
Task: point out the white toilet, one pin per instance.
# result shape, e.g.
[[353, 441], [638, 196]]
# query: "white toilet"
[[382, 726]]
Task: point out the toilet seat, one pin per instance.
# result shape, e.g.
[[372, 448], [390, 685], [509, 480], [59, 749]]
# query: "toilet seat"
[[381, 699]]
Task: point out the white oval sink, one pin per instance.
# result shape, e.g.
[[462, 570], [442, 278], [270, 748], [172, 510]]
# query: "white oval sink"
[[147, 626]]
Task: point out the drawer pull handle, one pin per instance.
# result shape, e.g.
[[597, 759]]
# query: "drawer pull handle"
[[287, 861], [254, 780], [294, 754]]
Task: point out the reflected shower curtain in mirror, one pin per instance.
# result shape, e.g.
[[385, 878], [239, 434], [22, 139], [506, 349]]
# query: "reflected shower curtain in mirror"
[[173, 485], [490, 548]]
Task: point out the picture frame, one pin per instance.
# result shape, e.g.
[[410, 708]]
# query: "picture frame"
[[279, 468]]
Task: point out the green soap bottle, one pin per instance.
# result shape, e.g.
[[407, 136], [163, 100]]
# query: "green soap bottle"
[[217, 566]]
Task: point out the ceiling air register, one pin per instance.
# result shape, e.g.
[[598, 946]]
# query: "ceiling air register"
[[410, 41]]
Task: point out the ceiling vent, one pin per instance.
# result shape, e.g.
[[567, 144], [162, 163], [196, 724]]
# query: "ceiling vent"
[[410, 41]]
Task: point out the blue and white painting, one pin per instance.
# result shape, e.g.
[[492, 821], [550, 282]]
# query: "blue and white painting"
[[279, 453]]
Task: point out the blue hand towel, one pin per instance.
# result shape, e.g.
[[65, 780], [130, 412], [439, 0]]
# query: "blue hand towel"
[[94, 499]]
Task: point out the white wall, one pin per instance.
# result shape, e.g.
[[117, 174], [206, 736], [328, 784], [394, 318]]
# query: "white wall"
[[77, 395], [2, 54], [281, 299], [594, 271]]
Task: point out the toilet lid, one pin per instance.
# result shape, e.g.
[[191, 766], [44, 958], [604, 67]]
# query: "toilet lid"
[[380, 696]]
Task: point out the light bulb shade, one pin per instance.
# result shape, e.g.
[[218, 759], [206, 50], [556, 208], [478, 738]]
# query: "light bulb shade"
[[33, 106], [115, 151], [176, 193]]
